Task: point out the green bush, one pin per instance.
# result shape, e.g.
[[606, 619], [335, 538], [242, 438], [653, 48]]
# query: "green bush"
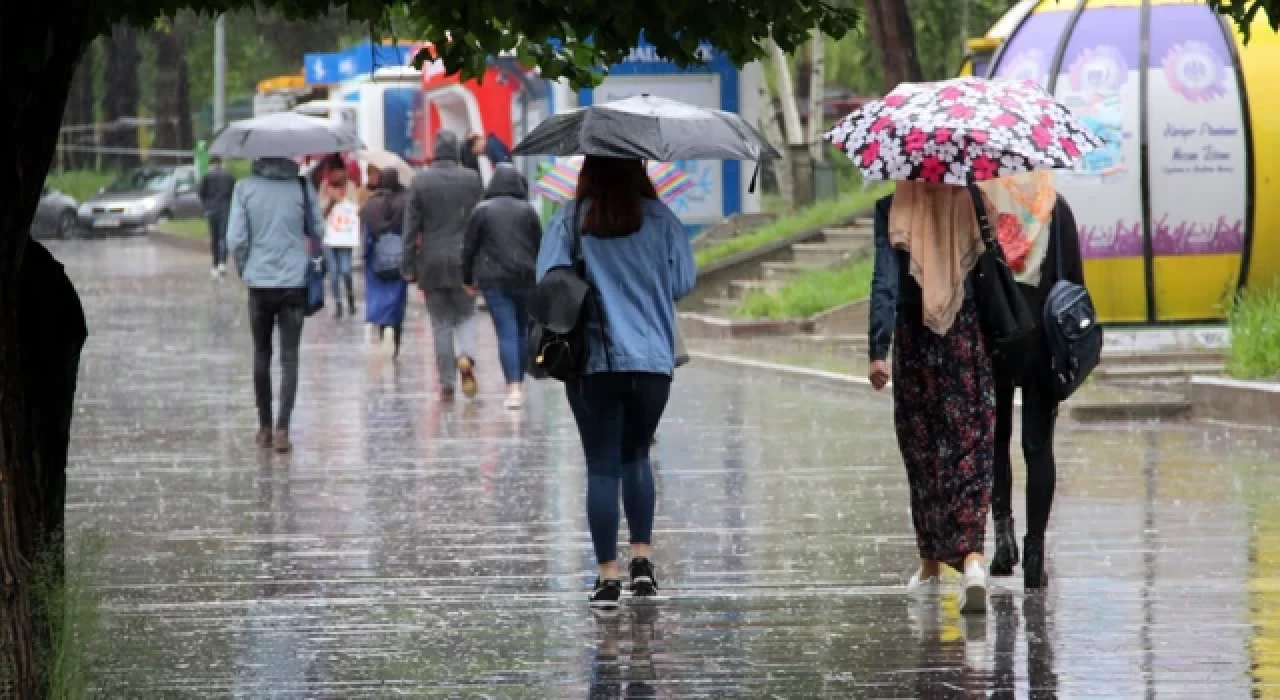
[[820, 214], [81, 184], [1255, 335], [812, 292]]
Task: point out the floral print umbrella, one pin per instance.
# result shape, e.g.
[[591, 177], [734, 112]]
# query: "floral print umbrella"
[[962, 131]]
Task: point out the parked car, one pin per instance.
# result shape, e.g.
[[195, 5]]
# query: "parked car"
[[55, 215], [142, 197]]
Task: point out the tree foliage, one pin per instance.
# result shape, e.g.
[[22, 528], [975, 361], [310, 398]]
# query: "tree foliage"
[[1244, 12]]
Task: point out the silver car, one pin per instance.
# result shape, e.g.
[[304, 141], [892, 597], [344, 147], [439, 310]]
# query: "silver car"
[[55, 216], [141, 198]]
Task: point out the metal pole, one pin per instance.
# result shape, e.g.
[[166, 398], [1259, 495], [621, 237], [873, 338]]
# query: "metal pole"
[[220, 73]]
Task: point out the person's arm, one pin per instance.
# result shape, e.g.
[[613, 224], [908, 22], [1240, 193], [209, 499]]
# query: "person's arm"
[[684, 269], [202, 191], [884, 287], [238, 231], [554, 251], [317, 220], [412, 235], [476, 229], [1069, 246]]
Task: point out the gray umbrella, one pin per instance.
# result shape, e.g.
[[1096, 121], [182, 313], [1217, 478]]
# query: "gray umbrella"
[[284, 135], [649, 128]]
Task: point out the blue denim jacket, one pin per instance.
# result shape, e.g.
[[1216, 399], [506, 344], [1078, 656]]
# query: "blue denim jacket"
[[639, 278]]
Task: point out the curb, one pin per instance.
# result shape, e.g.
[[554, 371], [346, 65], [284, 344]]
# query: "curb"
[[836, 378], [179, 241], [1235, 400]]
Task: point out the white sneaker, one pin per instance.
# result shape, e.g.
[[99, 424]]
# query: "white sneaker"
[[222, 269], [515, 401], [214, 274], [974, 598], [917, 586]]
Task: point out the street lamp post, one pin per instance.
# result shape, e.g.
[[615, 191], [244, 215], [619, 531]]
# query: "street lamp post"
[[220, 73]]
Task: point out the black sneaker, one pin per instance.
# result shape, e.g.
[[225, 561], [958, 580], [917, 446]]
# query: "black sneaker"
[[606, 594], [643, 583]]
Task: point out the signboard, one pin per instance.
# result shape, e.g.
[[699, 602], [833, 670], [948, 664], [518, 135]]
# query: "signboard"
[[362, 59], [717, 191], [402, 117]]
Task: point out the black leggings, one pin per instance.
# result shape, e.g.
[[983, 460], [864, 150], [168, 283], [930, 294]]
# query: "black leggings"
[[269, 308], [1039, 414]]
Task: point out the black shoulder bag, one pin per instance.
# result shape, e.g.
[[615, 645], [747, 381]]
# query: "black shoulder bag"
[[1071, 330], [1007, 321], [561, 308]]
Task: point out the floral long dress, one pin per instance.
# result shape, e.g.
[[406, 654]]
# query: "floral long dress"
[[945, 414]]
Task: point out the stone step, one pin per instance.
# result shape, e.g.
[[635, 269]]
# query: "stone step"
[[829, 254], [741, 289], [783, 271], [1158, 371], [722, 305], [848, 234]]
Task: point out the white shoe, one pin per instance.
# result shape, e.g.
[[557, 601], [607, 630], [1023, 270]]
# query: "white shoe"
[[917, 586], [974, 598], [222, 269], [515, 401], [214, 274]]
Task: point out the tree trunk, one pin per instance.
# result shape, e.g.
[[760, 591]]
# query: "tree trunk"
[[79, 114], [890, 24], [38, 56], [121, 95], [786, 96], [769, 127], [817, 91], [173, 106]]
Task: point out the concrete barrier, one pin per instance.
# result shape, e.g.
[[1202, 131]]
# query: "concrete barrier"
[[1235, 400]]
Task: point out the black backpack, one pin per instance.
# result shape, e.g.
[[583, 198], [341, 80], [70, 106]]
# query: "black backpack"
[[561, 308], [1008, 324], [1071, 330]]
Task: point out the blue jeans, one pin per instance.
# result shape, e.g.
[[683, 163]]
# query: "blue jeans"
[[617, 414], [509, 309], [339, 261]]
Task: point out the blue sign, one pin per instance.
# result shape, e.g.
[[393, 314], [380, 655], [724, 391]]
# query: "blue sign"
[[358, 60], [402, 110]]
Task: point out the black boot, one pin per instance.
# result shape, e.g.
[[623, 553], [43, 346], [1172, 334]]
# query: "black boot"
[[1033, 576], [337, 308], [1006, 548], [351, 294]]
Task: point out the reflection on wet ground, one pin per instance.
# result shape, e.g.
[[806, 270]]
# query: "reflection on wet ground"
[[411, 549]]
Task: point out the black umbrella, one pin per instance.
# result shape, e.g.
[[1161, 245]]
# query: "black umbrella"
[[648, 128]]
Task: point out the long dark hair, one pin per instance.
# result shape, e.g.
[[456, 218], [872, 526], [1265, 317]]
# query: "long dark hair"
[[616, 188]]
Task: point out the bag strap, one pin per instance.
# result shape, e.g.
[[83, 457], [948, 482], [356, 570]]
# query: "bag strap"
[[1056, 232], [984, 222]]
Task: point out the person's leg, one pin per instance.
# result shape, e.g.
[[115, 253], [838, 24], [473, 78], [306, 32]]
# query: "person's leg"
[[520, 299], [344, 267], [464, 337], [598, 412], [441, 315], [261, 325], [1039, 417], [331, 260], [222, 218], [646, 399], [502, 311], [215, 244], [1006, 555], [290, 319]]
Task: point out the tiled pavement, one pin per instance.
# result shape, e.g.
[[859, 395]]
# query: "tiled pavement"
[[409, 549]]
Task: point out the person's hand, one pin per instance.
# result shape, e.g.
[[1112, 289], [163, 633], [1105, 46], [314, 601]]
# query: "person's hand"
[[470, 290], [878, 373], [408, 276]]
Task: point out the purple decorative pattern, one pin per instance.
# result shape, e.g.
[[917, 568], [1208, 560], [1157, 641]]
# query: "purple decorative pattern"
[[1211, 237], [1122, 239]]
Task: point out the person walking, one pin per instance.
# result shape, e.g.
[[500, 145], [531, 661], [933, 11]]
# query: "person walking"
[[268, 238], [499, 256], [922, 303], [638, 259], [341, 235], [385, 297], [372, 177], [1041, 243], [215, 199], [440, 201]]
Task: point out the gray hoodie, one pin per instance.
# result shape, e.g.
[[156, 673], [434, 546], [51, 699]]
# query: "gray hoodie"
[[265, 233], [435, 219]]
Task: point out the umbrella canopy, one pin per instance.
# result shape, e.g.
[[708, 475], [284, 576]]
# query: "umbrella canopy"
[[386, 160], [648, 128], [560, 183], [962, 131], [284, 135]]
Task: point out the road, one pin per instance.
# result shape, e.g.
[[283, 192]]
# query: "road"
[[410, 549]]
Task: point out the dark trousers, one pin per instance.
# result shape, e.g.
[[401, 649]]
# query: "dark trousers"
[[269, 309], [1039, 416], [617, 414], [509, 309], [218, 235]]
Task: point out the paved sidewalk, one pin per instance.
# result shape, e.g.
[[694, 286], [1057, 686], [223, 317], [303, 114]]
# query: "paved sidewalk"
[[409, 549]]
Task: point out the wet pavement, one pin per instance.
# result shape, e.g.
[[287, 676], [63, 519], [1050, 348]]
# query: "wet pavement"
[[410, 549]]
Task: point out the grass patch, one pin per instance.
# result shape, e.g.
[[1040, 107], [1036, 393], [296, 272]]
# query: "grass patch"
[[811, 292], [81, 184], [195, 229], [1255, 335], [815, 216]]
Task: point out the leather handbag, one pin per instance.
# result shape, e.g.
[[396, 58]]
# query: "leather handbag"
[[1007, 322]]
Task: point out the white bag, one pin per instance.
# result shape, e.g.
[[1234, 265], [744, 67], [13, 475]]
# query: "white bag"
[[342, 228]]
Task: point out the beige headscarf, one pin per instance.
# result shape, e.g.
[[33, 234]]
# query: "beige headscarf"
[[937, 226], [1023, 209]]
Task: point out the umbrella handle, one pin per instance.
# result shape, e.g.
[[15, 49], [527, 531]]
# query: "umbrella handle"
[[751, 189]]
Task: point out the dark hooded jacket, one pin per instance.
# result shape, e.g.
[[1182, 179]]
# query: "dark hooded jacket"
[[385, 209], [435, 217], [501, 248]]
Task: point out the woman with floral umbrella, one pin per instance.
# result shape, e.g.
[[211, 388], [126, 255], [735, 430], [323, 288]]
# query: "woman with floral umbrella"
[[937, 140]]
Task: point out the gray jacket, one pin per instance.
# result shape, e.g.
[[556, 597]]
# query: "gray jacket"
[[265, 232], [435, 219], [501, 250]]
